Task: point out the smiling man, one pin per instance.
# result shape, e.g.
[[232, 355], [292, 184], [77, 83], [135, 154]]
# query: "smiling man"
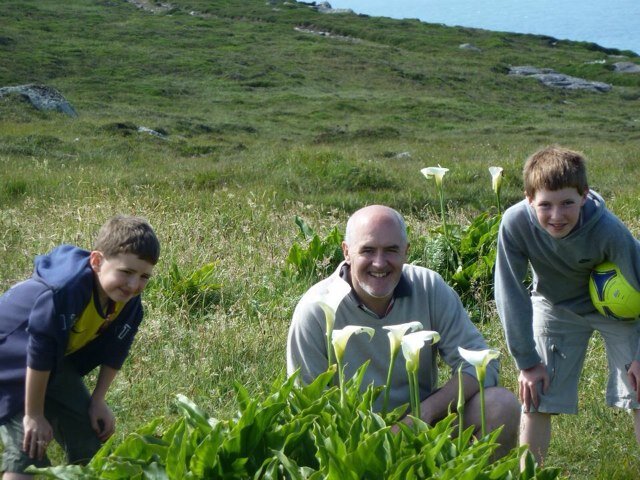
[[378, 288]]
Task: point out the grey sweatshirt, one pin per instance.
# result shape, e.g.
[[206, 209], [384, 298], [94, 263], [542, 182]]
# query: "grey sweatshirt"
[[560, 267], [421, 295]]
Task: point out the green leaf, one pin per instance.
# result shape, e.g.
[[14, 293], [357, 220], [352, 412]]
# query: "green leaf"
[[194, 414], [205, 457], [305, 229], [177, 453]]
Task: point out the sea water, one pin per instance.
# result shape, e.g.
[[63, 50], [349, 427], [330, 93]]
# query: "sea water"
[[609, 23]]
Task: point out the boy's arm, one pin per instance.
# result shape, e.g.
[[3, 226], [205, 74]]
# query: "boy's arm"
[[37, 430], [102, 419]]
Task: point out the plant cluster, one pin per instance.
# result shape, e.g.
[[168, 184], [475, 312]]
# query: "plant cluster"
[[302, 432]]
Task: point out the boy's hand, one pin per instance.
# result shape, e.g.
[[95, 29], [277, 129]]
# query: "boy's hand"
[[634, 377], [102, 419], [527, 385], [37, 435]]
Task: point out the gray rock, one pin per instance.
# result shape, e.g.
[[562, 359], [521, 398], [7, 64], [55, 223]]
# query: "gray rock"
[[42, 97], [470, 47], [325, 7], [550, 78], [626, 67]]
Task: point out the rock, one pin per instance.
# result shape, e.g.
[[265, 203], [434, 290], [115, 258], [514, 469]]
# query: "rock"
[[325, 7], [42, 97], [150, 131], [550, 78], [626, 67], [470, 47]]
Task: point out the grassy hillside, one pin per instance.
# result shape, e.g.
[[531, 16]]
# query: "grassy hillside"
[[265, 118]]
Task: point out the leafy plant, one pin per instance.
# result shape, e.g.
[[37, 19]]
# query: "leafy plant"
[[302, 432], [198, 288], [319, 256], [464, 255]]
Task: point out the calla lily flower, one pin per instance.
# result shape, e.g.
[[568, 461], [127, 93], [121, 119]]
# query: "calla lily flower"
[[436, 172], [496, 178], [496, 182], [396, 332], [413, 342], [480, 359], [339, 338], [329, 300], [411, 345]]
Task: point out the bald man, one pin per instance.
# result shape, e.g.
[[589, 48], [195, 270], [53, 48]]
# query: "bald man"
[[385, 290]]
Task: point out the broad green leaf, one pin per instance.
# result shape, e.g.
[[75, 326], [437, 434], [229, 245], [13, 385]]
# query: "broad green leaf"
[[205, 457], [177, 453], [305, 229]]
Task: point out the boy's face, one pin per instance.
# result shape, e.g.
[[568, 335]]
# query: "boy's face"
[[558, 211], [120, 277]]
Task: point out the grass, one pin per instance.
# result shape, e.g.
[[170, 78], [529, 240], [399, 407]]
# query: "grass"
[[265, 122]]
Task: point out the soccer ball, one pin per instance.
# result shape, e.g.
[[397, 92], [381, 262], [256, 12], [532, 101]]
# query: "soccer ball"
[[612, 295]]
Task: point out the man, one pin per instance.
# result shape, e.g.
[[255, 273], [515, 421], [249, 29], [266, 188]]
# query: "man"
[[384, 291]]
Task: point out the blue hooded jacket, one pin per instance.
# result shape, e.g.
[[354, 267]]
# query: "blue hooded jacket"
[[36, 317]]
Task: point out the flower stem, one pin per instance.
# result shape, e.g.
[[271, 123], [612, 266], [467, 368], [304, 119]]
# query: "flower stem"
[[416, 394], [341, 382], [460, 408], [387, 389], [329, 348]]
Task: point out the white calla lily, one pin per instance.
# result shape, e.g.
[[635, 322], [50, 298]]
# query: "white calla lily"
[[411, 346], [396, 332], [413, 342], [437, 172], [496, 178], [329, 300], [480, 359], [496, 183], [339, 338]]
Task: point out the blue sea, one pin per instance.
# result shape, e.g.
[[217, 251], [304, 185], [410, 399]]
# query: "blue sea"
[[609, 23]]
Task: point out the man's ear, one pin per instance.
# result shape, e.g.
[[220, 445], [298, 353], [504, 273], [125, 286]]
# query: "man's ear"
[[345, 253], [95, 260]]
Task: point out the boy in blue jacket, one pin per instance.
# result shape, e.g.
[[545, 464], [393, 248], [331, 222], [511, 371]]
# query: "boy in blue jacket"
[[561, 231], [79, 310]]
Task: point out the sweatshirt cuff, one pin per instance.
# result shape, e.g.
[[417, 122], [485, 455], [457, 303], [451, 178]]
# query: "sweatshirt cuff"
[[528, 361]]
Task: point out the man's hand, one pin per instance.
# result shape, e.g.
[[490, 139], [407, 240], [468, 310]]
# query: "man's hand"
[[37, 435], [527, 385], [102, 419], [634, 377]]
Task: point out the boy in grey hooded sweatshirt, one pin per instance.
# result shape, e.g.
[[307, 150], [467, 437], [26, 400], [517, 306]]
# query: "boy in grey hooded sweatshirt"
[[562, 230]]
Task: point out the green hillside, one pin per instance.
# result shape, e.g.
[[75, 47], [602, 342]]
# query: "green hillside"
[[268, 109]]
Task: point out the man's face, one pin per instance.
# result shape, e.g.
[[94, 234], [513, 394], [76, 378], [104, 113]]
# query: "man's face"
[[120, 277], [376, 255], [558, 211]]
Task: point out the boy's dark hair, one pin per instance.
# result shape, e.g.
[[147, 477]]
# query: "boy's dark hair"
[[128, 234], [554, 168]]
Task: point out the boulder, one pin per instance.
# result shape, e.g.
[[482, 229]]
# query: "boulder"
[[325, 7], [626, 67], [469, 46], [42, 97], [550, 78]]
